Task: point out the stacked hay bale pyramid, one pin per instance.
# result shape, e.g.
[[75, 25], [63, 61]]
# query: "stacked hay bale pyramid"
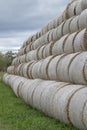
[[50, 70]]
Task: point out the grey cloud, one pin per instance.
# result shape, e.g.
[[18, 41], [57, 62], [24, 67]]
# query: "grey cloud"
[[28, 14]]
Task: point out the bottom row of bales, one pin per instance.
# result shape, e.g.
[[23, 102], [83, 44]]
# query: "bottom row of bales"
[[64, 101]]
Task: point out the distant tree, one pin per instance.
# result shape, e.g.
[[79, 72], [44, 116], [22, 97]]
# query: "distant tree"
[[6, 60], [1, 62], [9, 56]]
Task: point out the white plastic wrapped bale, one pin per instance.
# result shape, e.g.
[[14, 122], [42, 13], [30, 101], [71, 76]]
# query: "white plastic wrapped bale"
[[74, 8], [39, 52], [47, 96], [51, 68], [78, 108], [74, 25], [6, 78], [36, 72], [11, 69], [25, 49], [83, 19], [29, 70], [84, 4], [31, 90], [19, 59], [48, 50], [32, 55], [66, 27], [41, 88], [43, 68], [14, 82], [41, 41], [26, 90], [64, 101], [25, 69], [77, 69]]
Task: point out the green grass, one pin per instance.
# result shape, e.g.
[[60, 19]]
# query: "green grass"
[[16, 115], [1, 75]]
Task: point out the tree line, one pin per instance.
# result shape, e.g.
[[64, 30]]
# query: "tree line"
[[6, 60]]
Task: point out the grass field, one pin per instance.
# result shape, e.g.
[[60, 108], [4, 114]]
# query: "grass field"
[[16, 115]]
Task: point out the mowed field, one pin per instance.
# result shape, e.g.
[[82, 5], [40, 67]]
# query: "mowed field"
[[15, 114]]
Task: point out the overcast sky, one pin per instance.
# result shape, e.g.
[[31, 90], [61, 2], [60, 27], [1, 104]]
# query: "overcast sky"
[[20, 19]]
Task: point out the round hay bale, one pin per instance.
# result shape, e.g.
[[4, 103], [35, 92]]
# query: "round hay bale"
[[79, 7], [58, 46], [80, 42], [84, 4], [66, 26], [61, 100], [76, 108], [51, 72], [83, 23], [43, 68], [71, 9], [37, 96], [47, 97], [31, 90], [69, 43], [63, 67], [74, 26], [77, 71]]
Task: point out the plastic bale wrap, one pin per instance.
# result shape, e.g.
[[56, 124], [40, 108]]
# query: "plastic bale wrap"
[[71, 8], [29, 70], [16, 84], [25, 69], [83, 19], [68, 45], [79, 7], [6, 78], [44, 97], [66, 26], [37, 96], [51, 72], [40, 52], [31, 55], [80, 42], [58, 46], [77, 71], [10, 70], [78, 109], [23, 89], [43, 68], [63, 67], [48, 50], [74, 26], [34, 70], [31, 90], [84, 4], [61, 102], [59, 31], [47, 96]]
